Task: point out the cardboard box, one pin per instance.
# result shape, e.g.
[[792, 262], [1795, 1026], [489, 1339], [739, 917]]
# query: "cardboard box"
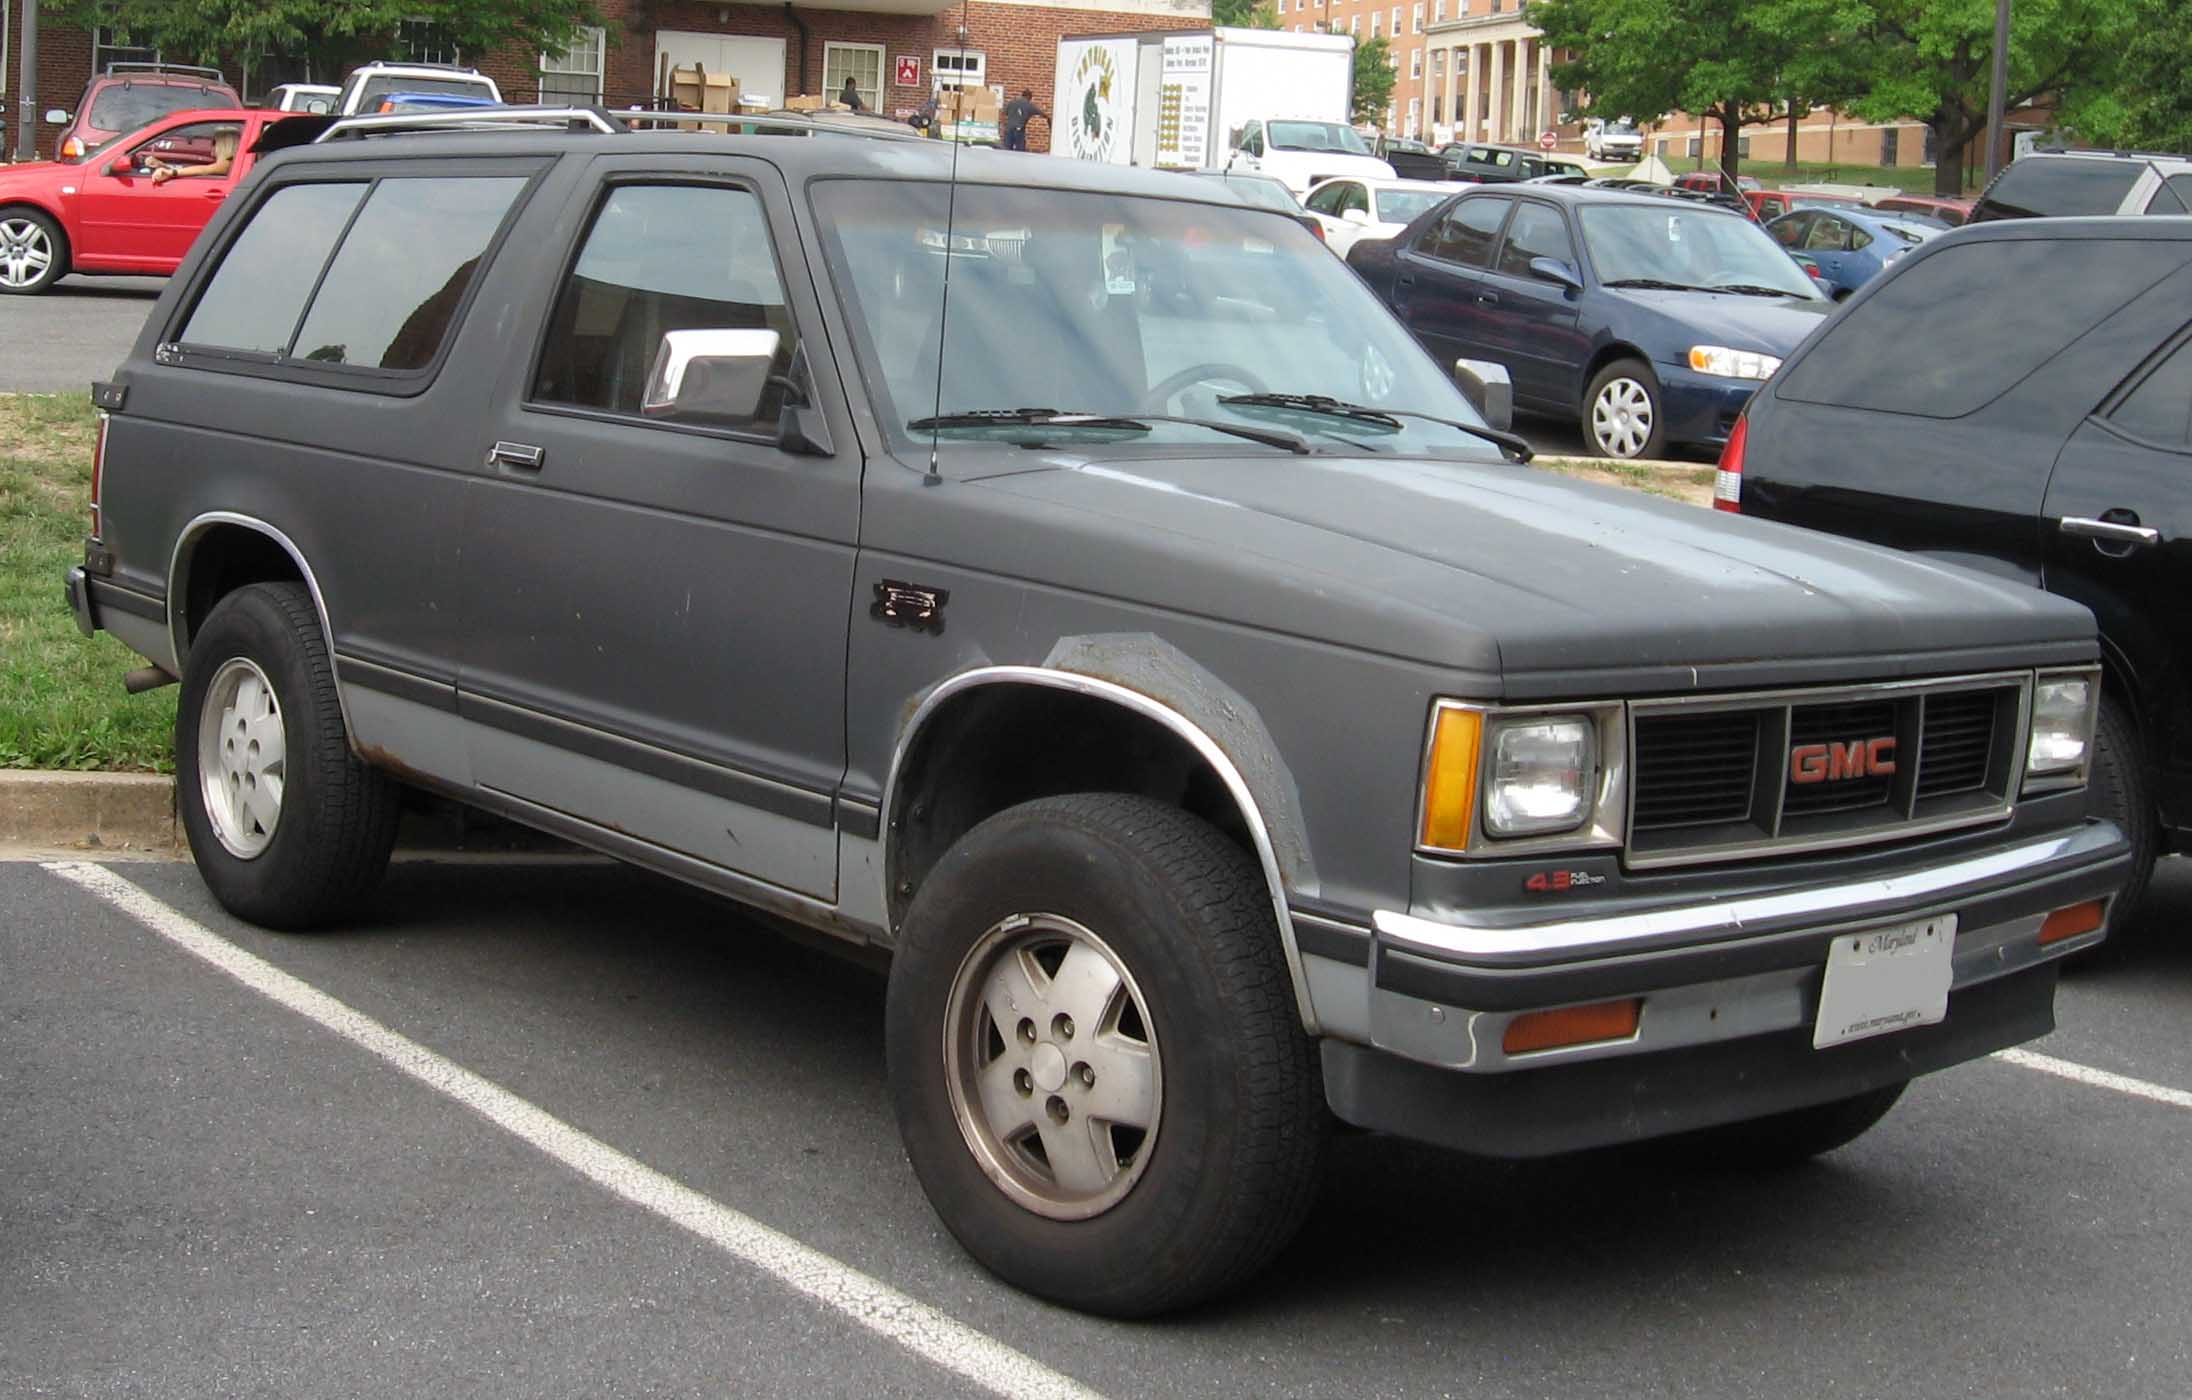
[[685, 87], [810, 102], [719, 93]]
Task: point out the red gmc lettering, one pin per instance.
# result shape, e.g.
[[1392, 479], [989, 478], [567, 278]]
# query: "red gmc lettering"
[[1831, 763]]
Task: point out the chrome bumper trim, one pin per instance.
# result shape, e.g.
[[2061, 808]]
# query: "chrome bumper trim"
[[1743, 913]]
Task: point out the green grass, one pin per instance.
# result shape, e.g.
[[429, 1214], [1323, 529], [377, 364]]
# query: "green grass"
[[61, 699], [1910, 179]]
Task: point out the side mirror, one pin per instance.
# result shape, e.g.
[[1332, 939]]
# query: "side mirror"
[[122, 165], [1556, 271], [711, 375], [1489, 391], [57, 116], [1355, 216]]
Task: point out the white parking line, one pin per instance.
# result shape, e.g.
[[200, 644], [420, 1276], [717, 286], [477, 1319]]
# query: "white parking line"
[[869, 1302], [2098, 1078]]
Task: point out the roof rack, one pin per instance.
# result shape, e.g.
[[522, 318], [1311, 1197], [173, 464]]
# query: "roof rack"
[[121, 66], [484, 119], [595, 119]]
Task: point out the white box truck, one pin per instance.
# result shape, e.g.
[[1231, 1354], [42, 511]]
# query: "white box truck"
[[1178, 99]]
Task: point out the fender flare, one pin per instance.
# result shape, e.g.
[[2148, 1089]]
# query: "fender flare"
[[178, 589]]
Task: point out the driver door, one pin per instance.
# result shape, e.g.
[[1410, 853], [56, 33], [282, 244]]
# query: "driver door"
[[126, 221]]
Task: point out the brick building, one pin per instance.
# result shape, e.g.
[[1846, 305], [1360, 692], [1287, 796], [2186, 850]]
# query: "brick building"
[[895, 51]]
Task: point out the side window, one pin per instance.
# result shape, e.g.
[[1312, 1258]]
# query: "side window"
[[1884, 353], [1356, 198], [2174, 196], [201, 150], [1536, 231], [395, 284], [1858, 238], [2160, 408], [1792, 231], [258, 292], [1326, 199], [1252, 139], [1828, 235], [2041, 186], [1466, 234], [661, 258]]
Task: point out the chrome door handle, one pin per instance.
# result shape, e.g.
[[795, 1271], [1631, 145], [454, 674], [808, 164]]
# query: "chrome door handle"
[[2109, 530], [522, 455]]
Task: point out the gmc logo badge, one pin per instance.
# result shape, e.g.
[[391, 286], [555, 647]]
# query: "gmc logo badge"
[[1831, 763]]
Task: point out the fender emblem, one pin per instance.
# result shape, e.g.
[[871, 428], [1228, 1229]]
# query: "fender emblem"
[[1561, 881], [909, 605]]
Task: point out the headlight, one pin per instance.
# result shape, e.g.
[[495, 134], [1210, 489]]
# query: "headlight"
[[1732, 364], [1543, 774], [2062, 725]]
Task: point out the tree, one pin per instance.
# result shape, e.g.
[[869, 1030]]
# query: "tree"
[[1931, 59], [1373, 81], [1737, 64], [2147, 103], [1244, 14], [331, 35]]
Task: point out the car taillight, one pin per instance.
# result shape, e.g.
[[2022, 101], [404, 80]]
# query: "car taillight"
[[1318, 229], [1728, 481], [98, 464]]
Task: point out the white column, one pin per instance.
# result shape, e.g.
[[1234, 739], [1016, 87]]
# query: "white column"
[[1493, 124], [1522, 136], [1547, 117], [1468, 119]]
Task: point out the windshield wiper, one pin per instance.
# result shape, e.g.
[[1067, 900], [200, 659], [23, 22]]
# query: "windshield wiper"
[[1516, 449], [1054, 418], [1754, 289], [1653, 284]]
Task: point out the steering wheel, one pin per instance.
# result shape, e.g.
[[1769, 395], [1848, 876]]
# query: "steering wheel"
[[1162, 393]]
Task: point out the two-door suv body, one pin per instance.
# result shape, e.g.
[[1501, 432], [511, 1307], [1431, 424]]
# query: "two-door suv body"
[[1210, 761]]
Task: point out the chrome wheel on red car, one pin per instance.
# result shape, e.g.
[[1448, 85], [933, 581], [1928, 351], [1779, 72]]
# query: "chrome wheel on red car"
[[32, 252]]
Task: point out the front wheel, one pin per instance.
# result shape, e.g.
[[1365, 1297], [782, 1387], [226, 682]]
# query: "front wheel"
[[33, 252], [288, 828], [1623, 415], [2121, 789], [1095, 1057]]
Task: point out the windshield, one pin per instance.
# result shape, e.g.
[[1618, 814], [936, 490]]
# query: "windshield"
[[129, 106], [380, 86], [1402, 206], [1316, 136], [1116, 305], [1692, 247], [1262, 192]]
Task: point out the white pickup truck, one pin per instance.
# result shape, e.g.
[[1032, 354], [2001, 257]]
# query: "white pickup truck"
[[1305, 153]]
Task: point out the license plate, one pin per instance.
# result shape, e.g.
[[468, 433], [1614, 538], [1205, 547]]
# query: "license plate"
[[1885, 979]]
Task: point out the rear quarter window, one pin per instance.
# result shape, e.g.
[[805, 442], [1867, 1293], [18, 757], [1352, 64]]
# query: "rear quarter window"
[[1939, 340], [2058, 187]]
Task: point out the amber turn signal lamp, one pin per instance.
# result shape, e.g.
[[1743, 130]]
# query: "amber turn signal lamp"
[[2072, 920], [1572, 1025], [1450, 779]]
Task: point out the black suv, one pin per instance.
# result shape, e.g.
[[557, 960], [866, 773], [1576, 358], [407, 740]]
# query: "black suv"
[[2051, 445], [2059, 184], [1481, 164]]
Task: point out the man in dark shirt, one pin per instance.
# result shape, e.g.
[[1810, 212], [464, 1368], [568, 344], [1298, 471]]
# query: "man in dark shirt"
[[1016, 114], [851, 96]]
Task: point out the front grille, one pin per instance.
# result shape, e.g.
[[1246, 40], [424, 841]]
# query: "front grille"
[[1792, 770]]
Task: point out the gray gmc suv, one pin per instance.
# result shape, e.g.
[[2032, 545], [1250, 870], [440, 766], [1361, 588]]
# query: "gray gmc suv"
[[1075, 583]]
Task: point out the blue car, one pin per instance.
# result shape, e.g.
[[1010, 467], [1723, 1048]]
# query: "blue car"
[[1851, 246], [1650, 320], [395, 102]]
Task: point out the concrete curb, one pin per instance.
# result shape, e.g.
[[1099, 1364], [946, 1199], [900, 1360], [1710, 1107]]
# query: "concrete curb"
[[88, 811], [1651, 464]]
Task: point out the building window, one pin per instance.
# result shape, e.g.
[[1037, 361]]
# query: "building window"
[[1438, 12], [863, 63], [956, 68], [1374, 18], [1415, 115], [1282, 6], [1394, 29], [1354, 24], [1697, 148], [107, 47], [1438, 64], [1891, 141], [1415, 63], [574, 75], [423, 41], [1415, 20]]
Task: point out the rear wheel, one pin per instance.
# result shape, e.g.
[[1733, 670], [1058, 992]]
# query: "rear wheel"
[[1096, 1060], [33, 252], [2121, 789], [287, 826], [1622, 414]]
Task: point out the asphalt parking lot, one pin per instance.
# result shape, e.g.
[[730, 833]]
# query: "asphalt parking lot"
[[514, 1132], [72, 335]]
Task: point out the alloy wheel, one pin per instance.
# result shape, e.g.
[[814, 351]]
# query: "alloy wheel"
[[25, 252], [242, 757]]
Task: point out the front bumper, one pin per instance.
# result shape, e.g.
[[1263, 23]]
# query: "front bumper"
[[1701, 409], [1730, 989]]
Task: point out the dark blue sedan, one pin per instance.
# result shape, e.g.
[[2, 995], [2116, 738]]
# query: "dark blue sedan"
[[1649, 319], [1851, 246]]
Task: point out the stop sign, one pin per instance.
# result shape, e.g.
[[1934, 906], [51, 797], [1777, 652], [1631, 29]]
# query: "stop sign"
[[1548, 140]]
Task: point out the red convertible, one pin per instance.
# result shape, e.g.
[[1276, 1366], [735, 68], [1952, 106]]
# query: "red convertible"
[[113, 212]]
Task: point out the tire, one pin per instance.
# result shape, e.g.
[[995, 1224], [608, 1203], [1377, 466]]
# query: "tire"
[[1634, 411], [33, 251], [2121, 789], [1157, 906], [259, 716], [1784, 1139]]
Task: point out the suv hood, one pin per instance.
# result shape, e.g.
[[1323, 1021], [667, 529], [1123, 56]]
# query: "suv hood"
[[1557, 587]]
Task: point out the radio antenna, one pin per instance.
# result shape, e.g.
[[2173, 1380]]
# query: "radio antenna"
[[951, 224]]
